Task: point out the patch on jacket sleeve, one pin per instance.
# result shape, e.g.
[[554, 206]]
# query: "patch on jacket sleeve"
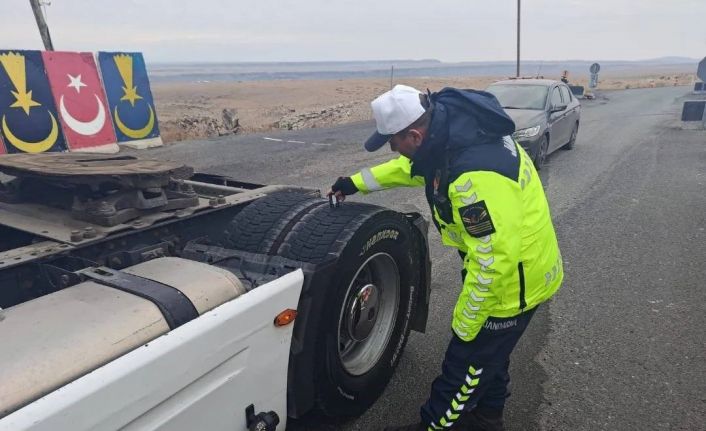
[[476, 219]]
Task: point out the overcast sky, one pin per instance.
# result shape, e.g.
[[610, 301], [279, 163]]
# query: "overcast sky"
[[306, 30]]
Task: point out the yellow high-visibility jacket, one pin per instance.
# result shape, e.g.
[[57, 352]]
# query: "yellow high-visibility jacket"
[[500, 223]]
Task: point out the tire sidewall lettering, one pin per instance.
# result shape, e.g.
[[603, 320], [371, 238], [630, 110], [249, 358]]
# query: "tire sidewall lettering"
[[408, 317], [391, 234], [345, 394]]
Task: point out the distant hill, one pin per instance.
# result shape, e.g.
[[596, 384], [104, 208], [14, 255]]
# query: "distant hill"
[[672, 60], [258, 71]]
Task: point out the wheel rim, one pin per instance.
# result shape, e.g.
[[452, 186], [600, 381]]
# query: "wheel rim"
[[369, 312]]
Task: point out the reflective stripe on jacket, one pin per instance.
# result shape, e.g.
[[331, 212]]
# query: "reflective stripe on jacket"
[[395, 173], [501, 223]]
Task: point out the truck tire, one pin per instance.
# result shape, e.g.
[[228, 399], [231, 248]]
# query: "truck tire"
[[365, 318], [262, 225]]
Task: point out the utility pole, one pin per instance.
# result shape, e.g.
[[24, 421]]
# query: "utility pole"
[[518, 39], [42, 24]]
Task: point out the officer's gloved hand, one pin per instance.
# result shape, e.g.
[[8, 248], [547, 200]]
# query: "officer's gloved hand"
[[343, 187]]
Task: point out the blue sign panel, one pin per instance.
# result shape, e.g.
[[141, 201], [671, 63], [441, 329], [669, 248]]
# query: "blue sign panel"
[[129, 96], [694, 110], [28, 118]]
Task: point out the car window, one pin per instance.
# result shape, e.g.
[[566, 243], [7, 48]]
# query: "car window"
[[566, 94], [556, 97], [520, 96]]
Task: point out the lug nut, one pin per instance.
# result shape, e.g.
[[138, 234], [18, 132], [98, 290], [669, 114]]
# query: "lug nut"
[[76, 236], [221, 199], [89, 232]]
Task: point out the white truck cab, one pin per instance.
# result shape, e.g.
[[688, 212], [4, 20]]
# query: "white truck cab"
[[137, 295]]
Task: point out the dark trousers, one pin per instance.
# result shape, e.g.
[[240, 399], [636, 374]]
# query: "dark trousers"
[[475, 373]]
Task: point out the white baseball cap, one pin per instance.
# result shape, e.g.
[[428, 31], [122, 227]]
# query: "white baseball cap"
[[394, 110]]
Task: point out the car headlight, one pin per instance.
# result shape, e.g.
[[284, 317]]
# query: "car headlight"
[[529, 132]]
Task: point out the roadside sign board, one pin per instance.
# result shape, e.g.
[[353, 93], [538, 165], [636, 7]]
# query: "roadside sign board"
[[693, 110], [129, 95], [595, 68], [83, 108], [701, 71], [27, 112]]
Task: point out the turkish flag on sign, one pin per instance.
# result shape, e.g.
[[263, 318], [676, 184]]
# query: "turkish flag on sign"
[[80, 100]]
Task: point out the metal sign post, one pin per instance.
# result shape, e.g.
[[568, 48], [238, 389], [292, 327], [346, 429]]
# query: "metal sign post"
[[519, 8], [701, 73], [594, 69], [593, 82]]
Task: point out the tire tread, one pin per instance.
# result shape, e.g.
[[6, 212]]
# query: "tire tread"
[[257, 227], [324, 232]]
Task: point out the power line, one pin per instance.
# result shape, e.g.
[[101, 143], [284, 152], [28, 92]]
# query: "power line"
[[518, 39]]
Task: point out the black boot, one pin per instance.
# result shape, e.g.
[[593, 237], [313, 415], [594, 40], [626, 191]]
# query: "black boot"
[[482, 419]]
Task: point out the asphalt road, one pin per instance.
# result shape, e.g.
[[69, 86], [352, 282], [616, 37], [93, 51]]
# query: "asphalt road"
[[623, 344]]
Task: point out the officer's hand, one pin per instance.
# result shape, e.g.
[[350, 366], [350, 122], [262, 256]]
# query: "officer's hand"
[[343, 187]]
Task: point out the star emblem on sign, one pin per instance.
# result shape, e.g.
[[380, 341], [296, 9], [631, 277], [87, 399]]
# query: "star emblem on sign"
[[82, 106], [75, 82], [16, 69]]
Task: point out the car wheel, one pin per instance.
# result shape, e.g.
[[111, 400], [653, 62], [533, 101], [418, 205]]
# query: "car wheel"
[[570, 145], [540, 157], [367, 310]]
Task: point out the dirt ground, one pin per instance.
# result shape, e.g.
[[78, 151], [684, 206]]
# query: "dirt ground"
[[199, 110]]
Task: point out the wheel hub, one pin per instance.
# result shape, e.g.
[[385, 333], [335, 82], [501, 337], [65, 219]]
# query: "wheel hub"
[[363, 312], [368, 314]]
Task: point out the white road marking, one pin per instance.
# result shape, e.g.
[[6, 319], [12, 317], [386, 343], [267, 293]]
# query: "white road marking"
[[291, 141]]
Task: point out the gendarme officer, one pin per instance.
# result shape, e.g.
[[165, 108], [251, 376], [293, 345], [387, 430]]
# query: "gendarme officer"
[[488, 202]]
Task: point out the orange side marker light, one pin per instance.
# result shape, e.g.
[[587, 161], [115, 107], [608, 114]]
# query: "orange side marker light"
[[286, 317]]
